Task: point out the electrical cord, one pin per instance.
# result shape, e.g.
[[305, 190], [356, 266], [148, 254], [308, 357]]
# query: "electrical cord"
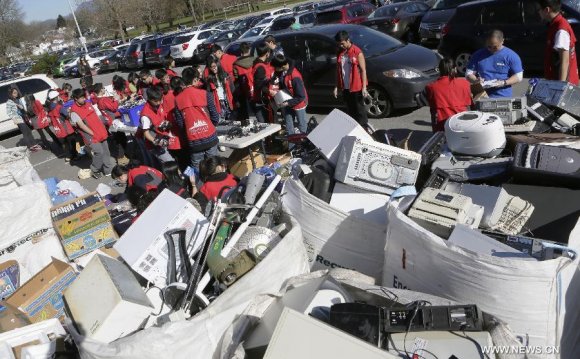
[[162, 299], [479, 349], [417, 304]]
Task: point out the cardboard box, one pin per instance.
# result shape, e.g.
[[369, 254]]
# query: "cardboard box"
[[41, 297], [240, 162], [34, 341], [144, 247], [83, 225], [9, 278], [106, 301], [282, 159]]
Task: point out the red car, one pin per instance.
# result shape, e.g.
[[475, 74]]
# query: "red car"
[[353, 13]]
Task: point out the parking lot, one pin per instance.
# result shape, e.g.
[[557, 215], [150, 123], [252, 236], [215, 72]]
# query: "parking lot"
[[400, 124]]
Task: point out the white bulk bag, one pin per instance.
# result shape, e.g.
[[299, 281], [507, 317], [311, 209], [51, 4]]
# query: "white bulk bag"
[[333, 238], [200, 336], [15, 168], [527, 295], [26, 233]]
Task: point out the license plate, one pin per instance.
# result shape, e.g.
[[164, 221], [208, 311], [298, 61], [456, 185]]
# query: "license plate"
[[375, 26]]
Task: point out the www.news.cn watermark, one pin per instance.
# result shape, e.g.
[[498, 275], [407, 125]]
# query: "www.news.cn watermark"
[[520, 350]]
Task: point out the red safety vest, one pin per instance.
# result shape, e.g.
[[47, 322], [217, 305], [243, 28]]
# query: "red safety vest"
[[355, 75], [157, 117], [171, 73], [192, 103], [227, 62], [151, 182], [244, 75], [91, 119], [212, 189], [60, 126], [42, 120], [229, 96], [288, 82], [63, 95], [551, 72], [257, 95], [109, 108], [169, 108], [447, 97]]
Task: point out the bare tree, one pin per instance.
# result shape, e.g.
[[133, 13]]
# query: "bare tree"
[[10, 24]]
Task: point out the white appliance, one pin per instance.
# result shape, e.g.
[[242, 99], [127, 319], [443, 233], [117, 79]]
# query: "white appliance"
[[475, 133]]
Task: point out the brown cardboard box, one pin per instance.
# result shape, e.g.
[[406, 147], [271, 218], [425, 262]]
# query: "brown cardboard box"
[[41, 297], [241, 163], [283, 158], [83, 225], [11, 318]]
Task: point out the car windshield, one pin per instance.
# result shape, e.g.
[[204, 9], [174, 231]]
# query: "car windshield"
[[448, 4], [265, 21], [252, 32], [385, 11], [181, 39], [214, 37]]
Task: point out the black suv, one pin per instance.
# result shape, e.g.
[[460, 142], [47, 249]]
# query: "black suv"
[[524, 31]]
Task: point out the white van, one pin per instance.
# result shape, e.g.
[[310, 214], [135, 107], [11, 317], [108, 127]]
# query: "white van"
[[35, 84], [183, 45]]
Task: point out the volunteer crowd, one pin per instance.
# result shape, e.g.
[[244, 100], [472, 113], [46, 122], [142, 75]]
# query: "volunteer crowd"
[[177, 127]]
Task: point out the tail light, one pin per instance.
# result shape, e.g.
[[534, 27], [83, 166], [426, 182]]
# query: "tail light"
[[395, 21], [135, 54], [106, 62], [157, 51], [445, 30], [185, 46]]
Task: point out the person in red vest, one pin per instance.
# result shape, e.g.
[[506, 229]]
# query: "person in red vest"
[[213, 173], [199, 115], [351, 74], [61, 126], [156, 129], [221, 85], [448, 95], [121, 87], [170, 65], [163, 76], [145, 177], [242, 72], [290, 80], [65, 92], [88, 124], [226, 60], [109, 108], [176, 128], [260, 84], [560, 61]]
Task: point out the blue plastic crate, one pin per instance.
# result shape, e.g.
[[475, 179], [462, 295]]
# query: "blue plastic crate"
[[68, 104], [131, 116]]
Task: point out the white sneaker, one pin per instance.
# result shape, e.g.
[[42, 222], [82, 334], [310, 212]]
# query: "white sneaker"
[[222, 148]]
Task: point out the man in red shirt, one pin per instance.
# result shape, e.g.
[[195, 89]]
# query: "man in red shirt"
[[351, 74], [560, 61]]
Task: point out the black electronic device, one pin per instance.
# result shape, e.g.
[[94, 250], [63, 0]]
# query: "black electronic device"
[[423, 318], [438, 179], [431, 150], [361, 320], [540, 112], [560, 94], [549, 165], [472, 169]]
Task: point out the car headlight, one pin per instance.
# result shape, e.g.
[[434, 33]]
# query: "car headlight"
[[402, 74]]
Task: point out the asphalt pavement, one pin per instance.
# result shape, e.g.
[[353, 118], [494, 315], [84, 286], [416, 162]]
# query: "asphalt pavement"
[[400, 124]]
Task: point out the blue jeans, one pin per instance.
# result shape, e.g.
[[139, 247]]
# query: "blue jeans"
[[197, 157], [290, 115]]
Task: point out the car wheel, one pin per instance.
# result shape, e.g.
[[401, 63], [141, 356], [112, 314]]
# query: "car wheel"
[[377, 103], [461, 61]]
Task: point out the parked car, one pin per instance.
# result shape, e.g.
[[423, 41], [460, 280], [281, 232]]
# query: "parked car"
[[35, 84], [282, 23], [134, 55], [157, 49], [523, 29], [399, 20], [397, 72], [352, 13], [306, 19], [207, 25], [58, 70], [93, 58], [309, 6], [267, 21], [436, 18], [222, 39], [183, 45], [282, 11], [255, 31], [111, 62]]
